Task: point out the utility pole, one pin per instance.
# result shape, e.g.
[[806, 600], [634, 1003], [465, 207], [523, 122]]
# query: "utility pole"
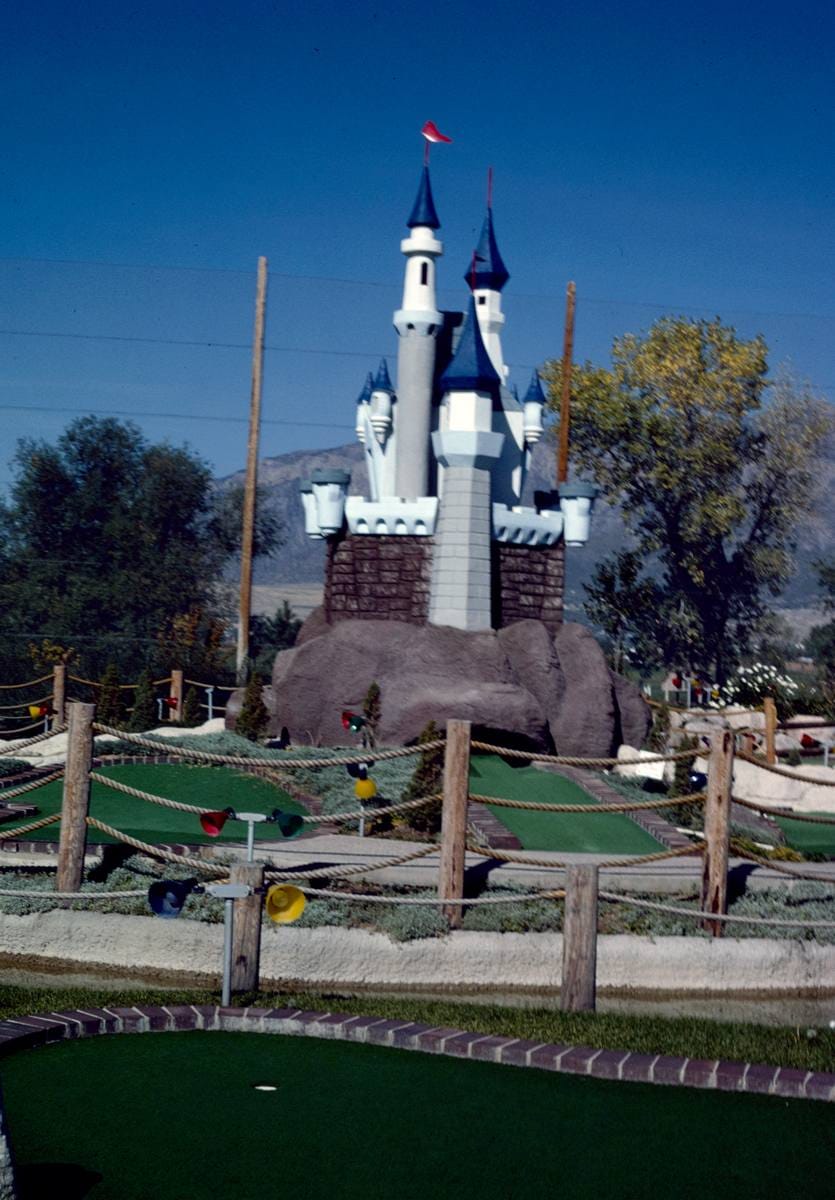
[[565, 399], [248, 527]]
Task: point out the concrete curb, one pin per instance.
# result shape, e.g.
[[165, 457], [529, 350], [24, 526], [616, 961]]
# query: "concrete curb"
[[624, 1065]]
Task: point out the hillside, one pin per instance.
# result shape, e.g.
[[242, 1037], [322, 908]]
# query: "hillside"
[[301, 560]]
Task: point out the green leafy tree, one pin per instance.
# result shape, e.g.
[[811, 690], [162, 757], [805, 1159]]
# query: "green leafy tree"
[[617, 599], [114, 545], [144, 715], [711, 479], [269, 635], [428, 778], [253, 718], [109, 707]]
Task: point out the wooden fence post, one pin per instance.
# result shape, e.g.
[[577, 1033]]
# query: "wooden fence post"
[[454, 817], [720, 773], [770, 713], [579, 940], [59, 694], [246, 933], [76, 802], [177, 694]]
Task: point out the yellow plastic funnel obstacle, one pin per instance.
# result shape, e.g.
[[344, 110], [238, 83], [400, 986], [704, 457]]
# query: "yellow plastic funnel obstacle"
[[285, 903], [365, 789]]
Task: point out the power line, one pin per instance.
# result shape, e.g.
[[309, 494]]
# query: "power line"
[[396, 285], [110, 337], [174, 416]]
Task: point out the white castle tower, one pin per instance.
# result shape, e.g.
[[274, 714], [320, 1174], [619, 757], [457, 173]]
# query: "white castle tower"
[[443, 537], [417, 322]]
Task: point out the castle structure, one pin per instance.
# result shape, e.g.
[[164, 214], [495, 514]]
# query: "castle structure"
[[443, 537]]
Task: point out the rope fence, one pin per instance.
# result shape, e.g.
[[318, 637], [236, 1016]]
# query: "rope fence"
[[793, 816], [10, 687], [32, 786], [561, 760], [627, 806], [636, 860], [33, 741], [701, 915], [197, 864], [241, 760], [18, 831], [26, 703], [337, 872], [786, 772]]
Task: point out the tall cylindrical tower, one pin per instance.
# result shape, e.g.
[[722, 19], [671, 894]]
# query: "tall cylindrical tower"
[[417, 322]]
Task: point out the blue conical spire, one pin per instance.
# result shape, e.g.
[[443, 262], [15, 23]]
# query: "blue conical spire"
[[383, 381], [471, 368], [488, 270], [367, 389], [423, 210], [535, 393]]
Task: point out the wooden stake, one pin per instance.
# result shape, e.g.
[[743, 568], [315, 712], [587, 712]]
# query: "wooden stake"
[[720, 774], [246, 932], [770, 714], [454, 817], [579, 940], [565, 398], [59, 694], [177, 683], [76, 801], [250, 484]]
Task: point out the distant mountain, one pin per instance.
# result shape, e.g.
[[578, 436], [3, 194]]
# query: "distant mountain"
[[301, 560]]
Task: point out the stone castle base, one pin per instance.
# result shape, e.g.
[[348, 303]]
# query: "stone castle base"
[[387, 578]]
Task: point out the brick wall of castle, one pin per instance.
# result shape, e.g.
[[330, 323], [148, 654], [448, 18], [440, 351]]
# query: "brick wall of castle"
[[382, 578], [528, 583], [388, 578]]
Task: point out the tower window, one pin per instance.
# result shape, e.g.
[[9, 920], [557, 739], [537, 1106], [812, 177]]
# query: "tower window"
[[482, 299], [424, 273]]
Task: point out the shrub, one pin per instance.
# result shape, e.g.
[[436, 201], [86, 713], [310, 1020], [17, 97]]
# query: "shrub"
[[751, 683], [427, 779], [372, 711], [109, 707], [144, 715], [192, 714], [253, 718], [13, 766]]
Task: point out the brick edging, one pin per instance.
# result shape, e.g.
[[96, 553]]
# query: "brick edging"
[[713, 1074]]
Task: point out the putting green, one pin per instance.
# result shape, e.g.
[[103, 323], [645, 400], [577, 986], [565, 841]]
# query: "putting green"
[[177, 1115], [207, 787], [578, 832], [809, 838]]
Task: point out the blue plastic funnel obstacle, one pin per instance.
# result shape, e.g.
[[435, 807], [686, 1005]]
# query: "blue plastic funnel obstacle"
[[168, 896]]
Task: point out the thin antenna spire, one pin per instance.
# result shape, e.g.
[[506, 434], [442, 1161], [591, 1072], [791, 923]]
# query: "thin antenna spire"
[[489, 187], [426, 145]]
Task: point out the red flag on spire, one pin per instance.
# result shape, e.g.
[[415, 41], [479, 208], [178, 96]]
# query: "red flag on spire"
[[433, 134]]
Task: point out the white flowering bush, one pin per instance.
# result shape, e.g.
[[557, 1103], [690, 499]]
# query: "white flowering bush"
[[751, 683]]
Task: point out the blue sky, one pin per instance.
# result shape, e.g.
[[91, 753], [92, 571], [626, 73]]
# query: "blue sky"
[[670, 158]]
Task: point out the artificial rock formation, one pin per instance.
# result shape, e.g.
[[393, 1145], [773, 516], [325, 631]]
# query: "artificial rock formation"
[[518, 683]]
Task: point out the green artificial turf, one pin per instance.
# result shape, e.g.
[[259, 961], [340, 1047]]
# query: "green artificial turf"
[[207, 787], [577, 832], [174, 1115], [808, 838]]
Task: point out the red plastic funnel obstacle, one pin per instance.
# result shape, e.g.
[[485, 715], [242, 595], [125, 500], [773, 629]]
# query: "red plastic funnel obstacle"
[[212, 822]]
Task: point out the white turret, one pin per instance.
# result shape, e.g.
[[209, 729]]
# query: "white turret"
[[417, 322]]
